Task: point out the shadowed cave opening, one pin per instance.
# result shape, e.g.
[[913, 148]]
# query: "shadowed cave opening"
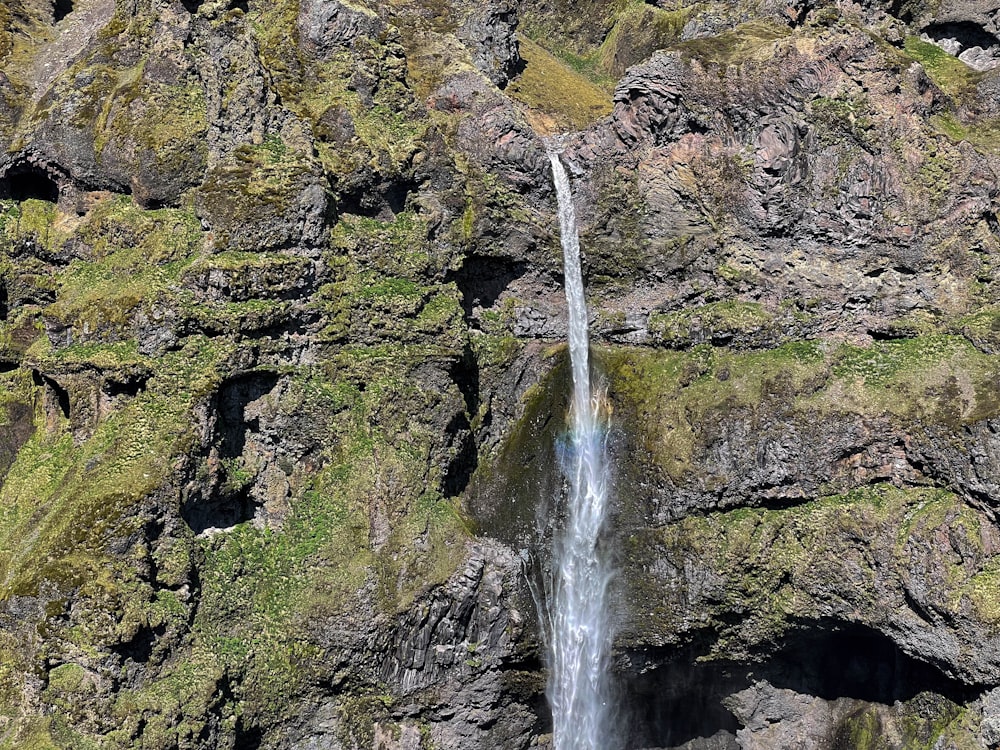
[[229, 502], [464, 373], [56, 397], [482, 279], [61, 9], [233, 398], [963, 35], [129, 386], [25, 182], [676, 700], [384, 202]]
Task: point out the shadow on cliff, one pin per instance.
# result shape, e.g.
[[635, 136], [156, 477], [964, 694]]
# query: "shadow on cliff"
[[671, 700]]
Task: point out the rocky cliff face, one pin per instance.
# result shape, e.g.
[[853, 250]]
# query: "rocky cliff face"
[[280, 325]]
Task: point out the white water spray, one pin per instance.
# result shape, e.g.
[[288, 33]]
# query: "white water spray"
[[580, 636]]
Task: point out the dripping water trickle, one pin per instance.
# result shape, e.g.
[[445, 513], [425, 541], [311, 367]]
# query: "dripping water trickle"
[[580, 633]]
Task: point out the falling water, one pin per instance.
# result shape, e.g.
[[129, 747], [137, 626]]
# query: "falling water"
[[580, 636]]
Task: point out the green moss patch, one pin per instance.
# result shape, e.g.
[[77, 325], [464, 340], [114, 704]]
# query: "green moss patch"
[[735, 46], [718, 322], [783, 566], [134, 256], [949, 73], [563, 98], [252, 199], [640, 30], [673, 397]]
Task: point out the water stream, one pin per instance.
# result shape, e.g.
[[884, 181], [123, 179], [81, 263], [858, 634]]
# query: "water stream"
[[580, 631]]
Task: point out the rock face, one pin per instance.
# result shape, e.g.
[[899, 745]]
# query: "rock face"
[[280, 327]]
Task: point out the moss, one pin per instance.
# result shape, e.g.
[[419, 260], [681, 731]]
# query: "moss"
[[240, 318], [949, 73], [775, 566], [32, 222], [982, 327], [983, 134], [674, 397], [916, 724], [562, 98], [261, 586], [882, 362], [640, 29], [398, 248], [76, 500], [135, 254], [258, 186], [31, 735], [733, 47], [837, 116], [67, 678], [167, 123], [716, 321]]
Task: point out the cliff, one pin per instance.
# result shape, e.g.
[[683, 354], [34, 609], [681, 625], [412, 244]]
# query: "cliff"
[[281, 323]]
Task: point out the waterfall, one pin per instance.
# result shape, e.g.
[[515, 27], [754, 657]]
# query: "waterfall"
[[580, 633]]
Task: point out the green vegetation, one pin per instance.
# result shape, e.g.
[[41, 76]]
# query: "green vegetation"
[[716, 321], [949, 73], [732, 47], [673, 397], [562, 98], [167, 123], [136, 255], [883, 362], [983, 134], [381, 290], [782, 566], [918, 724], [640, 29]]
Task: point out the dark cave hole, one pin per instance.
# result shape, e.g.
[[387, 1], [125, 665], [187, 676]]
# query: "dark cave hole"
[[465, 374], [222, 509], [902, 9], [230, 502], [881, 335], [24, 182], [679, 700], [8, 365], [459, 471], [54, 393], [191, 6], [992, 222], [247, 737], [482, 279], [140, 648], [61, 9], [231, 402], [131, 387], [966, 33], [377, 203]]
